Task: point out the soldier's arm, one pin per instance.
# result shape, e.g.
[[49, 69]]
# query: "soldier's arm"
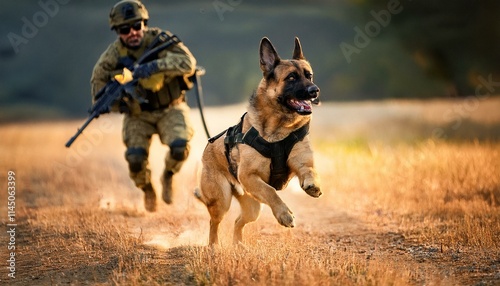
[[176, 61], [104, 70]]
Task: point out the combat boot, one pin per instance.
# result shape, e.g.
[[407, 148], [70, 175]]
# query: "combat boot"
[[166, 181], [149, 198]]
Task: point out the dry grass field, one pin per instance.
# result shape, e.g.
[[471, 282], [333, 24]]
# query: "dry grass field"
[[411, 197]]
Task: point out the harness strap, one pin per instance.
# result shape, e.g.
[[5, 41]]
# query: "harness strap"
[[278, 152], [233, 137]]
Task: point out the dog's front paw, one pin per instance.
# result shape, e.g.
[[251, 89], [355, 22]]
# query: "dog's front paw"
[[286, 219], [313, 191]]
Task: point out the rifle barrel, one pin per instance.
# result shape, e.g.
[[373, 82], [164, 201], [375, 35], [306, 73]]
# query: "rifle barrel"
[[80, 130]]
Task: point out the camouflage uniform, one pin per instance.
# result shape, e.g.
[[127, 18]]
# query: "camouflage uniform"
[[166, 112]]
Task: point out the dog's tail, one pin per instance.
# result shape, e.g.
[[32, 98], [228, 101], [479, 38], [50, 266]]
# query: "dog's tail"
[[197, 194], [197, 191]]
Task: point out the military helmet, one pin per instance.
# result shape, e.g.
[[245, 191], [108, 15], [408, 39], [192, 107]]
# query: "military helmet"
[[126, 12]]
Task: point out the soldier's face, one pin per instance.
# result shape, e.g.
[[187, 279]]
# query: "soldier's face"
[[132, 35]]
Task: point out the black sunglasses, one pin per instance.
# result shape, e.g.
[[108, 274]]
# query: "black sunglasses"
[[125, 29]]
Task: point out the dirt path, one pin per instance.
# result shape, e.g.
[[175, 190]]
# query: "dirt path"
[[81, 221]]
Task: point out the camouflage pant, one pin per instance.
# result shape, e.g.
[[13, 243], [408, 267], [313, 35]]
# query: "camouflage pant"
[[170, 124]]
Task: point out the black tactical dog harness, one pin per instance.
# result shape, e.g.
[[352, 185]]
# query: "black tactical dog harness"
[[277, 151]]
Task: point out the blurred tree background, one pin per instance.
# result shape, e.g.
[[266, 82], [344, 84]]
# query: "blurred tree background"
[[359, 49]]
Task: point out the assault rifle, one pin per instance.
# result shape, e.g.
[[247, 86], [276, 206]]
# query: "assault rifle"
[[107, 96], [114, 91]]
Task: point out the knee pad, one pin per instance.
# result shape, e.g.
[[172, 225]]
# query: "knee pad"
[[136, 157], [179, 149]]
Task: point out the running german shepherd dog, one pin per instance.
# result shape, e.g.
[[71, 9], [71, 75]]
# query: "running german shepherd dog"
[[259, 156]]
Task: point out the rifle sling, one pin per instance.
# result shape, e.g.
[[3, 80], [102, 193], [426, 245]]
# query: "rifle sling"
[[161, 42]]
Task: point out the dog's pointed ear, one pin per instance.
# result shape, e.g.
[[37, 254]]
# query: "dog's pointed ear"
[[269, 58], [297, 51]]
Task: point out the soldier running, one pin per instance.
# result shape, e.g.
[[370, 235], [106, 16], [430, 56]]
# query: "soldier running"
[[162, 85]]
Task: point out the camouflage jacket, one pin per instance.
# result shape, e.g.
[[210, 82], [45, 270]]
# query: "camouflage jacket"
[[175, 61]]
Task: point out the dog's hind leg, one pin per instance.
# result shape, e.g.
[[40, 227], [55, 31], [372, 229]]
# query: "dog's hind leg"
[[250, 211], [216, 194]]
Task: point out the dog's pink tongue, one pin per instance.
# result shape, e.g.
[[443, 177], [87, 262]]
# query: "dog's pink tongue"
[[305, 106], [301, 105]]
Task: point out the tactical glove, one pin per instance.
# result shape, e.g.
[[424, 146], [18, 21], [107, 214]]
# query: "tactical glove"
[[145, 70]]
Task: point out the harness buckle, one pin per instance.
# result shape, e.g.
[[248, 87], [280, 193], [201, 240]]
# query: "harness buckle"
[[238, 138]]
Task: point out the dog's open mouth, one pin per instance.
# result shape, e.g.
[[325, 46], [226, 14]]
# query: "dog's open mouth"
[[301, 106]]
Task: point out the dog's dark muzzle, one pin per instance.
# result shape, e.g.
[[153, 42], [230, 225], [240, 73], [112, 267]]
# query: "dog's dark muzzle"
[[313, 92]]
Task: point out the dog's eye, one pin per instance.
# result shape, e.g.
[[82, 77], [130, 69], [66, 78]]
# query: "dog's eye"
[[291, 77], [309, 75]]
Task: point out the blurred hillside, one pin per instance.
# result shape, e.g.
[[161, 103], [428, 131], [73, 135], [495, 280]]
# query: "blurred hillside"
[[359, 49]]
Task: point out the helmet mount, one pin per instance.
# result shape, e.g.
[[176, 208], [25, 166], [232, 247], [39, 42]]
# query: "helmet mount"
[[127, 12]]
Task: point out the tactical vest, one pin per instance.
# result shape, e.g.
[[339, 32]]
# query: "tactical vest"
[[278, 152], [157, 92]]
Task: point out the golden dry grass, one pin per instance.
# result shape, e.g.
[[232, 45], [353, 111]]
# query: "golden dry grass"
[[401, 205]]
